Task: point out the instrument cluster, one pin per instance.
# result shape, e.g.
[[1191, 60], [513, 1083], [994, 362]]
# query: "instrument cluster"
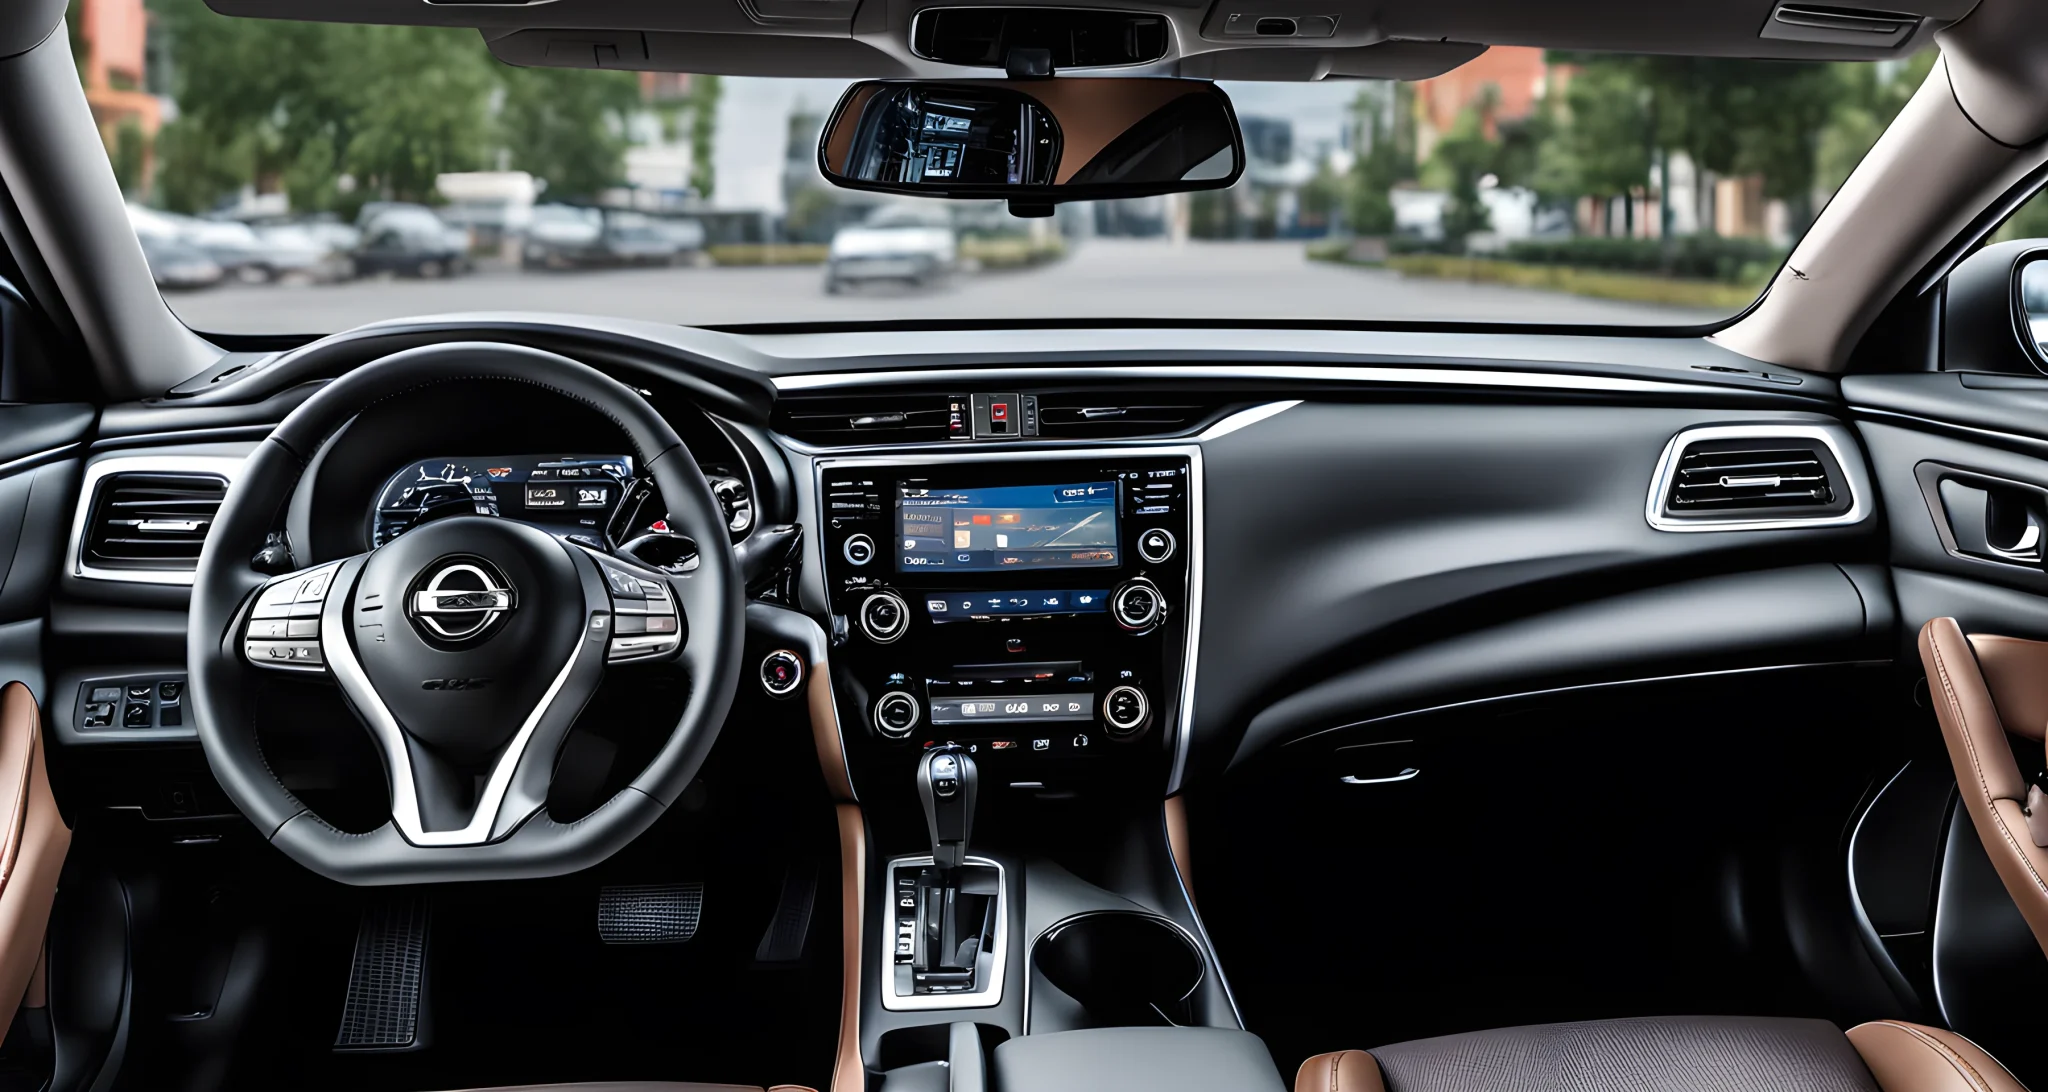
[[599, 496]]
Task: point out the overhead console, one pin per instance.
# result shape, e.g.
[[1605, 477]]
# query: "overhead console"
[[1035, 609]]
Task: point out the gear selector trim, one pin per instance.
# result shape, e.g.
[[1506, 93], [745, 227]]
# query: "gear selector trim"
[[991, 965]]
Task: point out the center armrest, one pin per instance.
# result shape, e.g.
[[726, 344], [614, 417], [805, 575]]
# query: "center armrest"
[[1124, 1059]]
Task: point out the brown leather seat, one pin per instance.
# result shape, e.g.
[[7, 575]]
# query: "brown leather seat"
[[1991, 697], [33, 841], [1670, 1054]]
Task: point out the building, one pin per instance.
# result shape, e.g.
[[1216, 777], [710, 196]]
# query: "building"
[[112, 39], [1518, 76]]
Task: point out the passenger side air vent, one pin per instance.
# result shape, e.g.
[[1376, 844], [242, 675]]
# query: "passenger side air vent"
[[151, 521], [1113, 415], [1839, 25], [1735, 478], [840, 421]]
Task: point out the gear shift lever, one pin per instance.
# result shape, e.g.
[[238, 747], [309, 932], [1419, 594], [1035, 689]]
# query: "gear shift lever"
[[946, 786]]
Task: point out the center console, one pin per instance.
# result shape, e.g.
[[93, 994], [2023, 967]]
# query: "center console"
[[1011, 649], [1036, 610]]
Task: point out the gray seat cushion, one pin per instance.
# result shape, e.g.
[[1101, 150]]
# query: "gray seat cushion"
[[1657, 1054]]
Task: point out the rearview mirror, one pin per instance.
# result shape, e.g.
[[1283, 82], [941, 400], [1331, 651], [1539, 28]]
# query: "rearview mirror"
[[1035, 141]]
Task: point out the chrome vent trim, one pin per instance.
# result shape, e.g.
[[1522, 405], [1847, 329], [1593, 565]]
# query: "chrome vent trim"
[[103, 473], [1127, 414], [1837, 441], [859, 420]]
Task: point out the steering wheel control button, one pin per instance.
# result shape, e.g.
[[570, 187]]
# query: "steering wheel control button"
[[883, 617], [283, 653], [284, 626], [1138, 605], [623, 583], [1156, 545], [782, 672], [1126, 710], [640, 647], [896, 713], [859, 550]]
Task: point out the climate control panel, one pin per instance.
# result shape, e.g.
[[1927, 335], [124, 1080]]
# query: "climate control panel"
[[1033, 609]]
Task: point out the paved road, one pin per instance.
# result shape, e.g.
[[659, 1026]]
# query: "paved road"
[[1103, 278]]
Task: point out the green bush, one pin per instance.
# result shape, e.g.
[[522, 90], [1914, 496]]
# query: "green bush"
[[1696, 257]]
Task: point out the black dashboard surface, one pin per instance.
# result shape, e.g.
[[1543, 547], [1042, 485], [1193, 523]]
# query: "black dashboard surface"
[[1433, 484]]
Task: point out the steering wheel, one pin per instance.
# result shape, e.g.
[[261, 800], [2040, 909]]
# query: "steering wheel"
[[467, 646]]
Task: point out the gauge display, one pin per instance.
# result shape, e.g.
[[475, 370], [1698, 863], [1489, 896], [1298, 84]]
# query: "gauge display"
[[571, 491]]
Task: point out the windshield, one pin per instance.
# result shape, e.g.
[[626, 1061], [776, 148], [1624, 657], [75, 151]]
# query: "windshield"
[[424, 176]]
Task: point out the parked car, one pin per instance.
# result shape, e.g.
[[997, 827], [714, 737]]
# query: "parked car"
[[688, 235], [178, 265], [563, 237], [632, 238], [895, 243], [408, 240], [295, 253]]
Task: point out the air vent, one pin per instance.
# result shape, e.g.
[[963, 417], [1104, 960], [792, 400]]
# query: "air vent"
[[1839, 26], [1745, 478], [152, 521], [1121, 414], [840, 421]]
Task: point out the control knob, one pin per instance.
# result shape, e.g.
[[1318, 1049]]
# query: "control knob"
[[859, 550], [884, 616], [896, 713], [1138, 605], [1127, 711]]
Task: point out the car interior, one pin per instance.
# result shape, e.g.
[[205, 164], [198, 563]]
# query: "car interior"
[[527, 698]]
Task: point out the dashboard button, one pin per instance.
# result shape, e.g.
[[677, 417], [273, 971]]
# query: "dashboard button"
[[884, 616], [1156, 545], [1126, 710], [896, 713], [782, 671], [1138, 605], [859, 550]]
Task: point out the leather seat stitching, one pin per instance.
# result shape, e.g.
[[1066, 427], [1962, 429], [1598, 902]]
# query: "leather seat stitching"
[[1947, 1053], [1336, 1064], [1948, 694]]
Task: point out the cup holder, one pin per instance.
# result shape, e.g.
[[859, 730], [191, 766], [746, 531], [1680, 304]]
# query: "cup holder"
[[1115, 968]]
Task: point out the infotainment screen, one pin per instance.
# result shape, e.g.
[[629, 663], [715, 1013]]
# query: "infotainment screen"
[[1007, 527]]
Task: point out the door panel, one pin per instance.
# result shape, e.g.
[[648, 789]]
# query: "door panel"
[[1961, 461], [41, 449]]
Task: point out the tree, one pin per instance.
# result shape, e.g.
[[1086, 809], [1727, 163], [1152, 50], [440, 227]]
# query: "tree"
[[1605, 144], [1782, 110], [418, 103], [1321, 198], [705, 91], [567, 126], [1462, 158], [292, 105], [1385, 123]]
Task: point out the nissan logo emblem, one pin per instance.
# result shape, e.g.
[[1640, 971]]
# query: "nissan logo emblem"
[[460, 599]]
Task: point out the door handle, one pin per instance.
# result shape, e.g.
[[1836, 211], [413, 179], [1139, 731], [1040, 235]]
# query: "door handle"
[[1995, 521], [1409, 774]]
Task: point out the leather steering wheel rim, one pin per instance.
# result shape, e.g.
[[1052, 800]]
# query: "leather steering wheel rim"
[[538, 846]]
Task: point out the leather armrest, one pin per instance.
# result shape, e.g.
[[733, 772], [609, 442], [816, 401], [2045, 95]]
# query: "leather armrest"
[[1912, 1058]]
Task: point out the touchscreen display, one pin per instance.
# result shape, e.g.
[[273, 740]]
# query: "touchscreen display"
[[1007, 527]]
